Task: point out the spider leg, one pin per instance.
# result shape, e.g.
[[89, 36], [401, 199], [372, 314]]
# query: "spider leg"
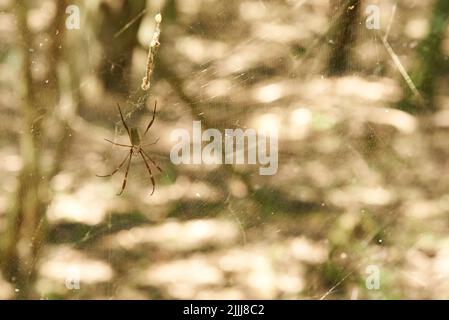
[[154, 162], [118, 168], [152, 120], [118, 144], [149, 144], [149, 170], [123, 121], [126, 173]]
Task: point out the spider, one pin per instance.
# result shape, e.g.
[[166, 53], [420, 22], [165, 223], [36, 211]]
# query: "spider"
[[135, 149]]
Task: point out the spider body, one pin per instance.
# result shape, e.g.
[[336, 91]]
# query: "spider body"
[[135, 137], [135, 141], [135, 149]]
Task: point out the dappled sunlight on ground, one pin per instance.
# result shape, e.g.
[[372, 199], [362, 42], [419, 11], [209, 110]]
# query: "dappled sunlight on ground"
[[64, 266], [258, 271], [179, 236], [89, 204]]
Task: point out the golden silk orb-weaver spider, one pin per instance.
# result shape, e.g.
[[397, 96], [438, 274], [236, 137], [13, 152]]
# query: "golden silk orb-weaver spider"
[[135, 149]]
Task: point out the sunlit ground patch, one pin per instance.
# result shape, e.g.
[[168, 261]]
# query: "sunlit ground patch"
[[179, 236]]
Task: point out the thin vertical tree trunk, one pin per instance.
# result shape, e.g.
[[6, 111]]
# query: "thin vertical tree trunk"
[[343, 35], [114, 70], [26, 220], [26, 203]]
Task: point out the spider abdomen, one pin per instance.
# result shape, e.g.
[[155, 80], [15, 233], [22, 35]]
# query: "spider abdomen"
[[135, 137]]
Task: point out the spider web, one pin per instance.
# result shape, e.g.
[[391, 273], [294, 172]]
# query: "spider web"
[[234, 108], [209, 70]]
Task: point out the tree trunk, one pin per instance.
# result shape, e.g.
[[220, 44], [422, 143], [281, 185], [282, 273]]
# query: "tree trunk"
[[114, 70], [26, 220], [342, 35]]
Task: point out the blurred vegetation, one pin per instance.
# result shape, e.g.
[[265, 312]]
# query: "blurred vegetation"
[[362, 115]]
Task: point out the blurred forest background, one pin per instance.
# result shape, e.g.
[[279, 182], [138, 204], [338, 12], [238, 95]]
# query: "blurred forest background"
[[362, 115]]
